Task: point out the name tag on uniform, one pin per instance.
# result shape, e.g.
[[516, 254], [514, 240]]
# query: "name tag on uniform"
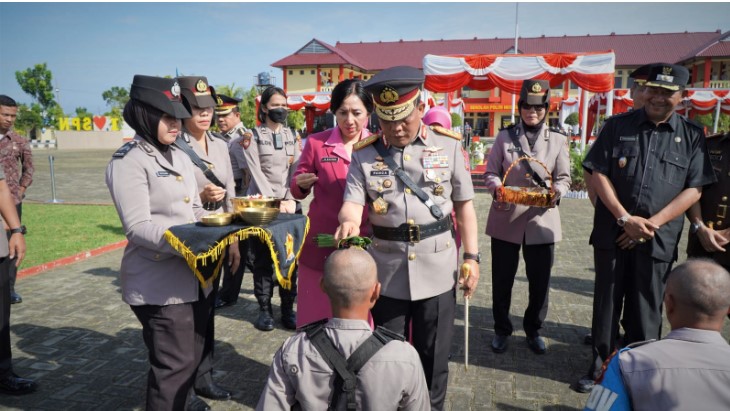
[[380, 172], [435, 162], [163, 173], [329, 159], [625, 138], [513, 149]]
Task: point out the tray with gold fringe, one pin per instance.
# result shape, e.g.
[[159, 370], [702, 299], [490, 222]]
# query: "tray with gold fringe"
[[529, 196], [204, 247]]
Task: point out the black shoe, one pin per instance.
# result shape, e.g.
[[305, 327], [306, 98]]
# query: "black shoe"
[[264, 322], [585, 384], [289, 320], [536, 344], [15, 298], [499, 343], [14, 385], [213, 391], [196, 404], [588, 339], [220, 303]]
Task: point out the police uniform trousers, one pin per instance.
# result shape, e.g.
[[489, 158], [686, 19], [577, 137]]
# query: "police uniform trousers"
[[538, 264], [174, 335], [432, 321], [231, 286], [203, 377], [6, 366], [635, 280], [12, 269], [263, 271]]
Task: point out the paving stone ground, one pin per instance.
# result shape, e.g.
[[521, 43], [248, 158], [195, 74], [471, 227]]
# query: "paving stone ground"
[[83, 345]]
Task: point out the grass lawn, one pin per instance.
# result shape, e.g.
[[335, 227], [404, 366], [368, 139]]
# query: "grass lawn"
[[56, 230]]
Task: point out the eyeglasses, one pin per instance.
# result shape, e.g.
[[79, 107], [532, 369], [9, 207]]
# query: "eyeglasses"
[[537, 108]]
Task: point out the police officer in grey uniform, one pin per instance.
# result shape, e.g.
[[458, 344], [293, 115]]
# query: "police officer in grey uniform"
[[153, 188], [709, 233], [271, 154], [690, 368], [648, 167], [228, 117], [512, 227], [300, 377], [413, 241], [210, 152]]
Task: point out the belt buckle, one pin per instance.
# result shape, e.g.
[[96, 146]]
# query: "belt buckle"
[[414, 233]]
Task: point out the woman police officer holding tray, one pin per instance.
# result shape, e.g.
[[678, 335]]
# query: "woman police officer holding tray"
[[271, 153], [153, 188], [515, 226], [210, 153], [323, 168]]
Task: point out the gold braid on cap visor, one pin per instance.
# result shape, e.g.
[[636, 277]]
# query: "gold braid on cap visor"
[[397, 112]]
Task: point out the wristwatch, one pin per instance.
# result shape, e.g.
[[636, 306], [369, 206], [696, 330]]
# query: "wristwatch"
[[476, 257], [21, 230], [622, 221], [695, 227]]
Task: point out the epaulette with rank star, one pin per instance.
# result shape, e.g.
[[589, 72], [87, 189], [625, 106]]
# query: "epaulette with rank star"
[[123, 150], [446, 132], [558, 130], [366, 142]]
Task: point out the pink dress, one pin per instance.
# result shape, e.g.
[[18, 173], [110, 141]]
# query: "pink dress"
[[324, 155]]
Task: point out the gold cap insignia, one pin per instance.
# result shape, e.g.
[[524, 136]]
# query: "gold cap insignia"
[[219, 101], [666, 71], [536, 88], [389, 95], [175, 90], [200, 86]]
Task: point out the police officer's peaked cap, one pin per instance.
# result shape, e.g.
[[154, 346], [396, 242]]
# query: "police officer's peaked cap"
[[668, 76], [395, 91], [642, 73], [535, 92], [225, 104], [160, 93], [197, 91]]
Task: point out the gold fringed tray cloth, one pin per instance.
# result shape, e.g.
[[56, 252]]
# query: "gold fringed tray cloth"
[[203, 247]]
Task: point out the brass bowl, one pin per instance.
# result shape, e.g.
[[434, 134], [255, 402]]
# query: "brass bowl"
[[257, 215], [265, 202], [217, 219]]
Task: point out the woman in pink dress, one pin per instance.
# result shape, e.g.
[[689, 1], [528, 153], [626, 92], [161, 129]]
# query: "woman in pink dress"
[[323, 168]]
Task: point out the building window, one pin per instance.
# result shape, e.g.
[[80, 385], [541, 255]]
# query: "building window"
[[314, 48], [291, 72], [618, 82], [311, 72], [301, 72]]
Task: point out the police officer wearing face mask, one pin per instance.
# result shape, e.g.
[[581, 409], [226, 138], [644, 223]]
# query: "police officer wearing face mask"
[[271, 153]]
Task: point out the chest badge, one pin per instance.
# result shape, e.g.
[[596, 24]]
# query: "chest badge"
[[677, 139], [387, 183], [622, 162], [438, 190], [379, 166], [380, 206], [433, 149]]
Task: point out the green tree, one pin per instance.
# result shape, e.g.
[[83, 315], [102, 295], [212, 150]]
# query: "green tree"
[[231, 90], [248, 108], [29, 118], [708, 120], [116, 98], [296, 119], [82, 112], [37, 81], [455, 120]]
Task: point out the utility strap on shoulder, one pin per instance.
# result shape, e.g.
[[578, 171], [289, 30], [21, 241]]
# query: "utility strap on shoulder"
[[536, 177], [185, 147], [401, 174]]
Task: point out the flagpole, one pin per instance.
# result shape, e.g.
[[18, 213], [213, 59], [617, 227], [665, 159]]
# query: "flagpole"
[[517, 13]]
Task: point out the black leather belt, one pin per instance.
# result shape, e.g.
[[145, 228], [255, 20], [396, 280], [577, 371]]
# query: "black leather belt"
[[413, 233]]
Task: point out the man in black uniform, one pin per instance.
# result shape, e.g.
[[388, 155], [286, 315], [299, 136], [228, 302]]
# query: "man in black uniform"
[[709, 233], [648, 167]]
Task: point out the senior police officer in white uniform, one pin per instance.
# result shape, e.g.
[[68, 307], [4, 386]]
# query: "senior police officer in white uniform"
[[414, 243]]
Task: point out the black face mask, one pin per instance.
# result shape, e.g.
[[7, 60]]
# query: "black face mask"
[[278, 115]]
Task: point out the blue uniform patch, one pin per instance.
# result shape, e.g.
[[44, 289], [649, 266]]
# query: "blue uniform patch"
[[123, 150], [610, 394]]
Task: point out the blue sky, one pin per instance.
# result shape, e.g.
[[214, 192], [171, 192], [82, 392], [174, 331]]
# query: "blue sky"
[[91, 47]]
